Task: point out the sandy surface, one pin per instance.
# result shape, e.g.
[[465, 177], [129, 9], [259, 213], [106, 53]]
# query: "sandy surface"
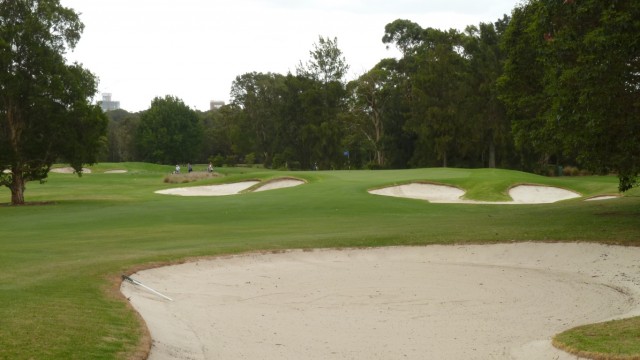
[[279, 184], [115, 171], [230, 189], [521, 194], [69, 170], [212, 190], [501, 301], [603, 197]]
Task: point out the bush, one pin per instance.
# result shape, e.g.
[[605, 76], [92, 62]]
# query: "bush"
[[231, 160], [250, 159], [217, 161], [188, 177]]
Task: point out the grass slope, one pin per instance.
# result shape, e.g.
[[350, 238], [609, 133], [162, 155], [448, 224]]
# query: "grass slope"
[[59, 263]]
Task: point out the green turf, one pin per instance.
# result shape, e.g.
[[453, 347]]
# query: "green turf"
[[58, 261]]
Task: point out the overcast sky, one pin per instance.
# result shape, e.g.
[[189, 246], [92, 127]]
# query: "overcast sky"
[[194, 49]]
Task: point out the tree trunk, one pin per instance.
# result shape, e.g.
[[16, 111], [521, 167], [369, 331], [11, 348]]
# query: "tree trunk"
[[17, 188], [492, 155]]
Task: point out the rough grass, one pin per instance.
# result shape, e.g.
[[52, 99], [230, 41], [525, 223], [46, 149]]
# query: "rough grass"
[[189, 177], [58, 261], [612, 340]]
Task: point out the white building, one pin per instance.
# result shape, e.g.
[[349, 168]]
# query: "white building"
[[107, 104], [214, 105]]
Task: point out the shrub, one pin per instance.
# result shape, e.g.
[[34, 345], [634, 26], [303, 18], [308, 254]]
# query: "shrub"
[[188, 177], [250, 159], [217, 161]]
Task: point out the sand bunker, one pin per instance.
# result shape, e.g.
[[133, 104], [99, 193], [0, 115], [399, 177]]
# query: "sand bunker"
[[230, 189], [521, 194], [212, 190], [69, 170], [502, 301], [535, 194], [115, 171], [279, 184], [603, 197]]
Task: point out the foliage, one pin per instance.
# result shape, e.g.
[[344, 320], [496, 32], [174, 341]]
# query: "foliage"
[[169, 132], [327, 64], [122, 130], [571, 82], [554, 84], [45, 113], [448, 88]]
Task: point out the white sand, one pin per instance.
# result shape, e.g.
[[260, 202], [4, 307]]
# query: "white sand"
[[230, 189], [69, 170], [115, 171], [535, 194], [501, 301], [279, 184], [603, 197], [212, 190], [521, 194]]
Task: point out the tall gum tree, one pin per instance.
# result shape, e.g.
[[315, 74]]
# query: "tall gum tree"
[[572, 82], [45, 110]]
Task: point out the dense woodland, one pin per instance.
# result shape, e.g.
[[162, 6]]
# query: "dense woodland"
[[556, 83]]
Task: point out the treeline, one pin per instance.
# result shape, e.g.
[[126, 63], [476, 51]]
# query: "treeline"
[[556, 83]]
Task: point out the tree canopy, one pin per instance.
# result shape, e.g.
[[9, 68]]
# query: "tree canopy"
[[45, 110], [572, 82], [169, 132], [553, 85]]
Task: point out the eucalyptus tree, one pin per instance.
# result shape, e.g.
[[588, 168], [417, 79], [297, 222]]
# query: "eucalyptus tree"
[[572, 82], [326, 64], [327, 68], [370, 107], [437, 72], [522, 89], [46, 113], [259, 96], [487, 115]]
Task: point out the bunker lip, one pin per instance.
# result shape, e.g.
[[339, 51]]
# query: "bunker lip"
[[437, 193], [500, 301]]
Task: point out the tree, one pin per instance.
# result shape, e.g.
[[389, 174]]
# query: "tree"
[[583, 58], [369, 101], [123, 127], [486, 61], [324, 132], [326, 64], [521, 89], [45, 110], [438, 81], [169, 132], [259, 96]]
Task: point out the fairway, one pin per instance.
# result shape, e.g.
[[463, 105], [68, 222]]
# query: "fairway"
[[60, 263]]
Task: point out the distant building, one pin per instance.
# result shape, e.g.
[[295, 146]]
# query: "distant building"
[[107, 105], [214, 105]]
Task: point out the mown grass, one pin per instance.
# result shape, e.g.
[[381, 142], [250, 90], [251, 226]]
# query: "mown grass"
[[60, 263]]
